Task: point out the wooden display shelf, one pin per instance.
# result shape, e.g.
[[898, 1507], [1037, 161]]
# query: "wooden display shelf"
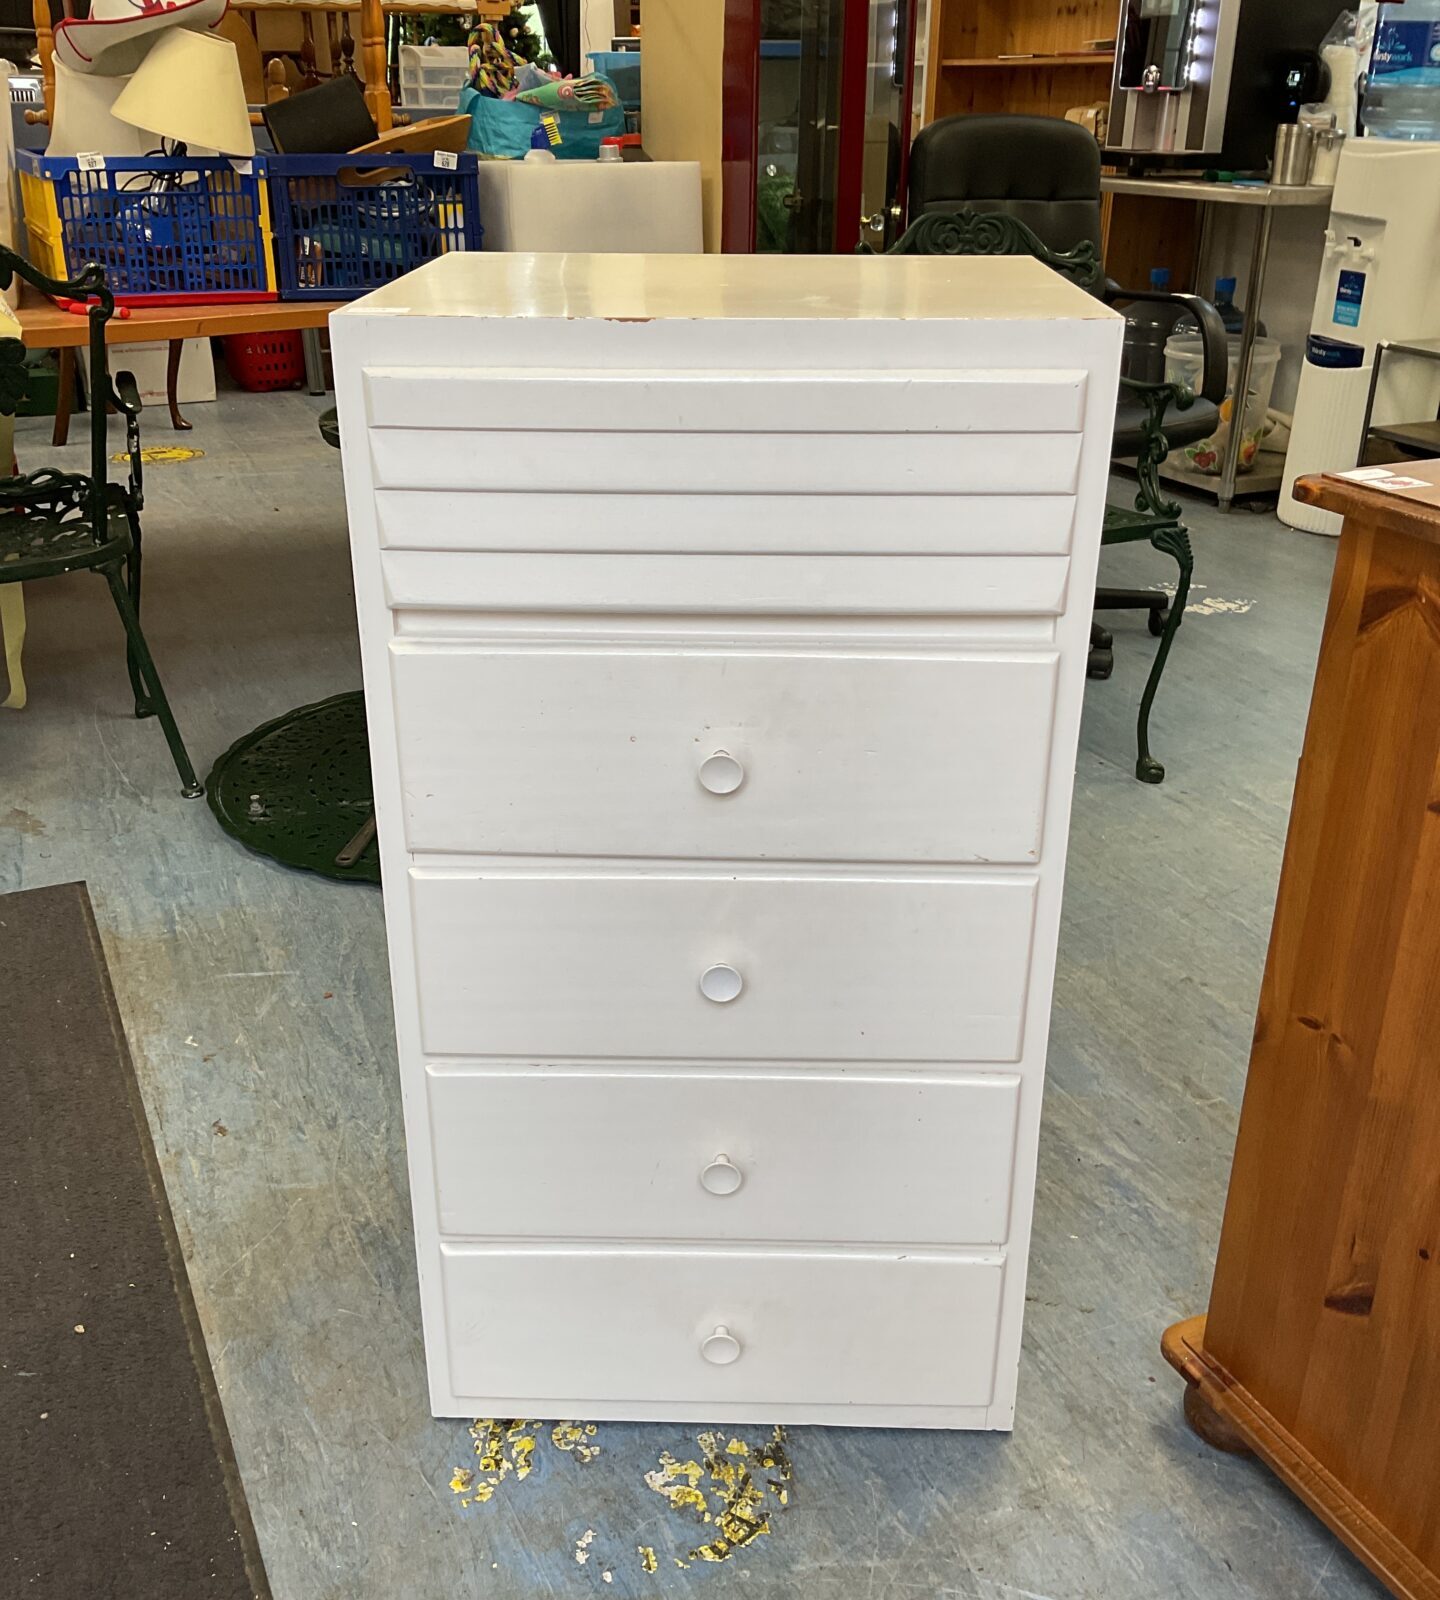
[[1063, 58], [1026, 56]]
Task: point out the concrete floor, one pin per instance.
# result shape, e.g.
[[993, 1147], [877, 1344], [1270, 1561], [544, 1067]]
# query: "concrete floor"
[[258, 1010]]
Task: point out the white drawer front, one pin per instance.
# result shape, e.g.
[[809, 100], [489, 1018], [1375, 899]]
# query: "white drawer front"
[[810, 1329], [756, 463], [724, 755], [629, 460], [703, 1156], [711, 586], [832, 969], [619, 401], [540, 518]]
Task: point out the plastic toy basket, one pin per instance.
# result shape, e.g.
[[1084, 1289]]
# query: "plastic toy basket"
[[263, 362], [342, 228], [168, 230]]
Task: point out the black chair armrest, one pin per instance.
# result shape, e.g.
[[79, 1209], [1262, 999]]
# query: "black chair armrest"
[[1214, 373], [125, 397]]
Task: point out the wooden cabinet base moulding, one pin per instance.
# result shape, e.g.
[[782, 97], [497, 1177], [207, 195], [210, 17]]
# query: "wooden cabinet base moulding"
[[1228, 1418], [1321, 1348]]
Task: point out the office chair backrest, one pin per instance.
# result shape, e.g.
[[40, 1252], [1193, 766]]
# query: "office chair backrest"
[[1041, 170]]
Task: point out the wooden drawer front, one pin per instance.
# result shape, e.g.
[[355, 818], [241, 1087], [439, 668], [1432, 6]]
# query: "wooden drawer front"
[[610, 752], [833, 969], [816, 1329], [808, 1157]]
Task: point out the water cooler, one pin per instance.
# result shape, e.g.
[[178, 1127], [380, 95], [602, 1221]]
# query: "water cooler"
[[1378, 281]]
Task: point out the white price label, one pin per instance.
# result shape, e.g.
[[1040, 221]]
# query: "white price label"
[[446, 161], [596, 118], [90, 161]]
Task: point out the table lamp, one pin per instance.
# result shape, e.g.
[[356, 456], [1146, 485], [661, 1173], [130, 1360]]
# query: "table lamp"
[[188, 90]]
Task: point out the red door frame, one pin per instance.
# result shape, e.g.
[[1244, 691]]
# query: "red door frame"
[[850, 161], [739, 126]]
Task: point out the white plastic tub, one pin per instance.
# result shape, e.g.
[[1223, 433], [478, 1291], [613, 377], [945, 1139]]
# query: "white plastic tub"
[[1184, 359]]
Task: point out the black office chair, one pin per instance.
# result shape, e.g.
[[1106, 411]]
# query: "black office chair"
[[1018, 185]]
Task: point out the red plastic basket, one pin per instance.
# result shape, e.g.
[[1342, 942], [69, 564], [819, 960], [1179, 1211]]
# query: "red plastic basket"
[[261, 362]]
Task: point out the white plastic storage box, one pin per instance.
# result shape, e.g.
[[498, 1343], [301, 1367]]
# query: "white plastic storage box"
[[432, 76]]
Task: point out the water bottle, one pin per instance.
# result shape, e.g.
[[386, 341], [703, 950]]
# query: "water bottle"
[[1148, 324], [1224, 302], [1402, 99]]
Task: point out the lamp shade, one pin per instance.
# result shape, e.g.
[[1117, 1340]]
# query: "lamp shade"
[[188, 88]]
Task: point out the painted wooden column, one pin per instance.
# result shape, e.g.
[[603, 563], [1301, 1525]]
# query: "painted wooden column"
[[45, 41], [372, 63]]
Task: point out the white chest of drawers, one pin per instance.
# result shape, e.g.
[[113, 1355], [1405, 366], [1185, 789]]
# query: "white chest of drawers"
[[724, 624]]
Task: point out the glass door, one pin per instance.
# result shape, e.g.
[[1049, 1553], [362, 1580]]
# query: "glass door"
[[889, 82], [819, 97], [798, 148]]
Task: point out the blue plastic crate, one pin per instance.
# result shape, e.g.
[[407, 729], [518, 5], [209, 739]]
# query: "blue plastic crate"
[[168, 230], [622, 67], [344, 227]]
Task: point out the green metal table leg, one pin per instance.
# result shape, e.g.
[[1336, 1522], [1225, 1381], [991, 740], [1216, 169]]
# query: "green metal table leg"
[[190, 786], [144, 705], [1173, 542]]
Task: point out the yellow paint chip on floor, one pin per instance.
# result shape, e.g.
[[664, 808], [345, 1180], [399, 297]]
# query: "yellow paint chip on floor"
[[735, 1488], [162, 455], [731, 1497]]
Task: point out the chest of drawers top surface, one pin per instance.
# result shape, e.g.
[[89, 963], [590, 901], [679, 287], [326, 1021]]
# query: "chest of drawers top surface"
[[725, 288]]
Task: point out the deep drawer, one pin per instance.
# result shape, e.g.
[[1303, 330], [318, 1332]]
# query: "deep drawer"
[[641, 1325], [724, 755], [531, 965], [705, 1156]]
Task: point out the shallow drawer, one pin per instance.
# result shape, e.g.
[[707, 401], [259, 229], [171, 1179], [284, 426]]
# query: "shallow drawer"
[[725, 755], [543, 518], [710, 586], [702, 1155], [615, 402], [828, 969], [641, 1325]]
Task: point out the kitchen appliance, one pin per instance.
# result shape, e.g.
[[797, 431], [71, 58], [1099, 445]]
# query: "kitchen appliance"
[[1377, 281], [1206, 82]]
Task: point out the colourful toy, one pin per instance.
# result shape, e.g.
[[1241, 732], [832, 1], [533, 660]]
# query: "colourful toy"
[[493, 64]]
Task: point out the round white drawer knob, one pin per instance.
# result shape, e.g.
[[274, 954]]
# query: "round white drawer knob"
[[721, 1348], [722, 1176], [721, 773], [721, 984]]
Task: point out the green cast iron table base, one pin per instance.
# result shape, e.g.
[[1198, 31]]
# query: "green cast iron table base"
[[298, 789]]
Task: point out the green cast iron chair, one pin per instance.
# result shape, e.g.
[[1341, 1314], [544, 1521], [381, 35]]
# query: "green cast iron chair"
[[56, 522], [1019, 185]]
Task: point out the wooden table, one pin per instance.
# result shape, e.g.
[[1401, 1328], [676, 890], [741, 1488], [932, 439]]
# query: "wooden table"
[[1321, 1348], [44, 326]]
